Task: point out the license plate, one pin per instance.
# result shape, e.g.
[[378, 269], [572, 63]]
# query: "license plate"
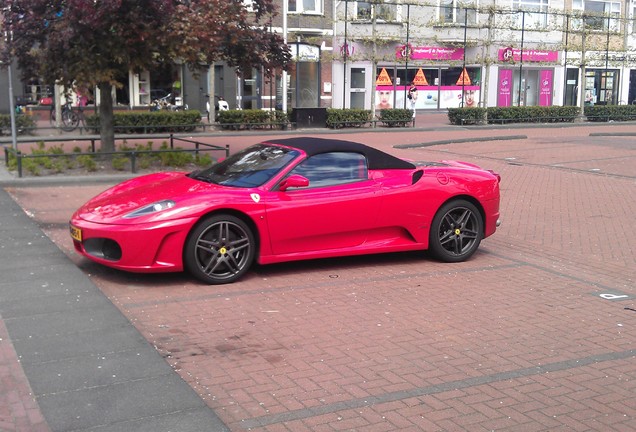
[[76, 233]]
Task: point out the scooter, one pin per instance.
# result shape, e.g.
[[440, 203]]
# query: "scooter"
[[220, 105]]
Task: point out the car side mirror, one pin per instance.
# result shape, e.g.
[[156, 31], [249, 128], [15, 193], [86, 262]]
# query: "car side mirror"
[[293, 181]]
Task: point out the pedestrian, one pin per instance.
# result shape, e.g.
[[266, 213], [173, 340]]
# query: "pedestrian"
[[412, 96]]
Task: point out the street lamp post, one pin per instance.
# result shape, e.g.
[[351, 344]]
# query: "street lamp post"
[[8, 37], [14, 140]]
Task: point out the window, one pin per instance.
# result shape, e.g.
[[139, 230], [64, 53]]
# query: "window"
[[383, 11], [305, 6], [328, 169], [535, 11], [249, 5], [598, 14], [458, 12]]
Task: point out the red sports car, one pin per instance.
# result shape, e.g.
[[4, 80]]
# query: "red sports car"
[[284, 200]]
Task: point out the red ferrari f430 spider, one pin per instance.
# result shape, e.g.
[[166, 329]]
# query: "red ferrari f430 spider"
[[285, 200]]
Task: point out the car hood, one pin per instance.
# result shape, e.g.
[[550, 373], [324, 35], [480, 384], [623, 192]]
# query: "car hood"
[[113, 204]]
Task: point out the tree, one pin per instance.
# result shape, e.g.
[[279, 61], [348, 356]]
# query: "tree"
[[91, 43]]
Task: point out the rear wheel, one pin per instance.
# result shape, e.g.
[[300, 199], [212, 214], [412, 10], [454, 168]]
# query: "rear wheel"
[[456, 231], [220, 249]]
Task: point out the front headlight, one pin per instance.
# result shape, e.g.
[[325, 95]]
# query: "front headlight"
[[151, 208]]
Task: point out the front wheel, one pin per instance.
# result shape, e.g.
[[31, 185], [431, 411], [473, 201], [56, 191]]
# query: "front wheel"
[[70, 120], [456, 231], [220, 249]]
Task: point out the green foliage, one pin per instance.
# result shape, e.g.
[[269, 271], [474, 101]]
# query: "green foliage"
[[119, 163], [12, 163], [203, 160], [174, 159], [338, 118], [532, 114], [604, 113], [131, 122], [253, 119], [31, 166], [87, 162], [23, 124], [123, 35], [396, 117], [462, 116], [516, 114]]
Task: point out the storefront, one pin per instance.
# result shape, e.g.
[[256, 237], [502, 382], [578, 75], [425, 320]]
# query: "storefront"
[[146, 86], [440, 85], [529, 80]]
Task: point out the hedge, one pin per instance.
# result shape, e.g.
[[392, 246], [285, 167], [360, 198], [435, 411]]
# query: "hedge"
[[338, 118], [23, 124], [396, 117], [538, 114], [149, 122], [252, 119], [604, 113]]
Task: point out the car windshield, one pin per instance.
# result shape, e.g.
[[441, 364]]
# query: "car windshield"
[[251, 167]]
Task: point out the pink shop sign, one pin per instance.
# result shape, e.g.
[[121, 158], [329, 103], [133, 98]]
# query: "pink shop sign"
[[504, 98], [529, 55], [430, 53], [545, 88]]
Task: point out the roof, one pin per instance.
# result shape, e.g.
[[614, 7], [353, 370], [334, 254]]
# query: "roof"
[[377, 159]]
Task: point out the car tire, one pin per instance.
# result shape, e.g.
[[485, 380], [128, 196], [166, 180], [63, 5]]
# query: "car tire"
[[456, 231], [220, 249]]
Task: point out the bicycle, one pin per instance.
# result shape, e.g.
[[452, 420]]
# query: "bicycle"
[[70, 118]]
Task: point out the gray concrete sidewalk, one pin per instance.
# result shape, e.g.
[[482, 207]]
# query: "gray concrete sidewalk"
[[87, 365]]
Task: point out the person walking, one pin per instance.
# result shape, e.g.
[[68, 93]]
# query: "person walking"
[[412, 96]]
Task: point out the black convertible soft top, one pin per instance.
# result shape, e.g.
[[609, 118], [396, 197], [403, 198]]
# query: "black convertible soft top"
[[377, 159]]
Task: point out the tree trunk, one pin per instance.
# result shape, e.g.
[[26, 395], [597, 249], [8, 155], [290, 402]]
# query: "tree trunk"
[[106, 132]]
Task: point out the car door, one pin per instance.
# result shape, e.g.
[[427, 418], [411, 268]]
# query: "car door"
[[335, 211]]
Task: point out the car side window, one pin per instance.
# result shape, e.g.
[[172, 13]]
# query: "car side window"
[[328, 169]]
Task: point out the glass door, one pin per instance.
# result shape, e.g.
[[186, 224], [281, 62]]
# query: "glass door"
[[357, 90], [250, 91]]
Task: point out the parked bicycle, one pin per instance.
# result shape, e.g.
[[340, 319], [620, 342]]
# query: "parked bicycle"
[[164, 103], [70, 119]]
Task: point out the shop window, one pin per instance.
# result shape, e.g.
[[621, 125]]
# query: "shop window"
[[305, 6], [597, 15], [458, 12], [534, 15]]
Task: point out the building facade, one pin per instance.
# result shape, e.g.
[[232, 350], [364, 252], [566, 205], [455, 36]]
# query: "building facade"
[[484, 53], [366, 54]]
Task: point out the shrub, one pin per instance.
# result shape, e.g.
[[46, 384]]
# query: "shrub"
[[174, 159], [88, 162], [203, 160], [396, 117], [516, 114], [337, 118], [24, 123], [462, 116], [31, 166], [150, 122], [119, 163], [252, 119], [604, 113]]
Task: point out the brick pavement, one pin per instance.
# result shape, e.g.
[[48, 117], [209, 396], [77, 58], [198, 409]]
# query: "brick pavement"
[[518, 338]]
